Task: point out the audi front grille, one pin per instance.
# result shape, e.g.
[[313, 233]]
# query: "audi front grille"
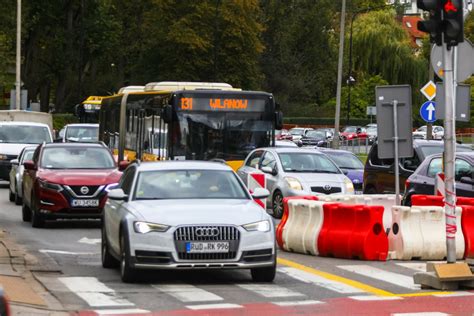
[[185, 234]]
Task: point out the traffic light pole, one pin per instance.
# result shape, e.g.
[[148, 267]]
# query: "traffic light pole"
[[449, 150]]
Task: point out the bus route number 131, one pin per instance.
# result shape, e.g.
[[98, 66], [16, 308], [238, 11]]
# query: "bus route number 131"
[[186, 103]]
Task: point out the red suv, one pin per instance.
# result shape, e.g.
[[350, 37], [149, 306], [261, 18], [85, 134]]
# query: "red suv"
[[67, 180]]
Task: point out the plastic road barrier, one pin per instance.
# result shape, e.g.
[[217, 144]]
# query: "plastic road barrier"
[[467, 222], [301, 232], [436, 200], [284, 218], [257, 180], [419, 232], [353, 231]]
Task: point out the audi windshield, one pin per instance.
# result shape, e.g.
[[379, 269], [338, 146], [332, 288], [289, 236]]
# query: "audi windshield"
[[188, 184]]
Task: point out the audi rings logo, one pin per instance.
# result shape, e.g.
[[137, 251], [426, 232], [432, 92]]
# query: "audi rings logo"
[[327, 187], [84, 190], [207, 232]]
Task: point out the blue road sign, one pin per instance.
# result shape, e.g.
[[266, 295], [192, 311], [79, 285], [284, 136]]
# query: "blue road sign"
[[428, 111]]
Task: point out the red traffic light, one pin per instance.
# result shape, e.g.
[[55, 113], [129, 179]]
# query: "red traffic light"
[[450, 7]]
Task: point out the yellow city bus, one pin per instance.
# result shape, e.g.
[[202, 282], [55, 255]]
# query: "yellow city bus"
[[188, 121], [88, 110]]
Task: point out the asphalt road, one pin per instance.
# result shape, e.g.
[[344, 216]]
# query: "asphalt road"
[[305, 285]]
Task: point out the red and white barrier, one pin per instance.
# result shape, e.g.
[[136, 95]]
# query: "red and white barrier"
[[257, 180]]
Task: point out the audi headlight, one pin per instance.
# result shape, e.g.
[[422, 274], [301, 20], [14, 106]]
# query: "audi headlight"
[[349, 185], [50, 186], [144, 227], [263, 226], [294, 183]]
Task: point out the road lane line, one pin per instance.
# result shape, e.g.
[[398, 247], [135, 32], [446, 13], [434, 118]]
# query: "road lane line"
[[374, 298], [421, 314], [382, 275], [120, 311], [213, 306], [188, 293], [331, 285], [94, 292], [332, 277], [298, 303], [269, 290], [454, 294], [417, 266], [60, 252]]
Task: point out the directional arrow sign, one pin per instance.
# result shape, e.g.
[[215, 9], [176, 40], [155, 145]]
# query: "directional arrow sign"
[[428, 111], [92, 241]]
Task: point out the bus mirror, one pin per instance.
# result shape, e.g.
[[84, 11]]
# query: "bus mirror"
[[278, 120], [167, 113]]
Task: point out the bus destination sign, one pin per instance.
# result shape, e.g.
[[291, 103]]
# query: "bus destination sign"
[[221, 104]]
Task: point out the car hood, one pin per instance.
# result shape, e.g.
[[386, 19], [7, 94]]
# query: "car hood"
[[318, 178], [356, 175], [202, 211], [13, 149], [80, 176]]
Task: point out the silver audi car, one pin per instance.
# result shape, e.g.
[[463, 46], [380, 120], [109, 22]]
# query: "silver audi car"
[[186, 215]]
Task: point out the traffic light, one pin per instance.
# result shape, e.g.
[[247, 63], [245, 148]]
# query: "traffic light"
[[453, 22], [433, 25]]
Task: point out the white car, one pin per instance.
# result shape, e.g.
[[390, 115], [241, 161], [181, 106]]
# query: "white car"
[[16, 174], [14, 136], [186, 215], [437, 132], [299, 132], [83, 133]]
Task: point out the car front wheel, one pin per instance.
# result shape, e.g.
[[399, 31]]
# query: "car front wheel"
[[25, 212], [108, 261], [277, 204], [37, 220], [266, 274], [127, 273], [11, 195]]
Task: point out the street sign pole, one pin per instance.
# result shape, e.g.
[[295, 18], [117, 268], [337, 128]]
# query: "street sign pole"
[[395, 142], [449, 148]]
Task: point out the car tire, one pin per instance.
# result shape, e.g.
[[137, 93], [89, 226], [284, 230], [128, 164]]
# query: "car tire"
[[25, 212], [18, 199], [11, 195], [277, 204], [266, 274], [127, 273], [108, 261], [37, 219]]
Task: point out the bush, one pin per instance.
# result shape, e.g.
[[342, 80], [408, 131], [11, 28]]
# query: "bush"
[[61, 119]]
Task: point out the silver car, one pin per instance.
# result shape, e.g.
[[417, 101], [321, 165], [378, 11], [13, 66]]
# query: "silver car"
[[16, 174], [293, 172], [186, 215]]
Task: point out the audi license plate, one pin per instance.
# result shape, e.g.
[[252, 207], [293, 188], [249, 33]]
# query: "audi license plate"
[[207, 247], [85, 203]]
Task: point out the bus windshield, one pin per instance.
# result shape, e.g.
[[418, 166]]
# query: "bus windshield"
[[228, 136]]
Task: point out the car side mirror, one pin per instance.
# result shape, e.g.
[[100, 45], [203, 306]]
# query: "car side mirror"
[[467, 180], [269, 170], [14, 162], [117, 195], [123, 165], [260, 193], [299, 143], [29, 165]]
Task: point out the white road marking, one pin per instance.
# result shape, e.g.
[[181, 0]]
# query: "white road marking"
[[269, 290], [298, 303], [382, 275], [92, 241], [60, 252], [94, 292], [320, 281], [417, 266], [213, 306], [120, 311], [421, 314], [375, 298], [188, 293], [454, 294]]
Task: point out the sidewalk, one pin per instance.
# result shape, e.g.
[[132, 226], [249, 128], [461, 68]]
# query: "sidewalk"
[[25, 294]]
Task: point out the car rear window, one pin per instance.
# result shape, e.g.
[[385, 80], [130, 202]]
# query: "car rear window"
[[431, 150]]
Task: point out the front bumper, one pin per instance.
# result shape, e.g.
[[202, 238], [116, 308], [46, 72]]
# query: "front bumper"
[[160, 251]]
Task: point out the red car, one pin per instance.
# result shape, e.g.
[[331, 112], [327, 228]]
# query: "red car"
[[283, 134], [353, 132], [67, 180]]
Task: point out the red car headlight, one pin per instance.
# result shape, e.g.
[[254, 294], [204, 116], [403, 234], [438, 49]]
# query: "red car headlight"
[[50, 186]]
